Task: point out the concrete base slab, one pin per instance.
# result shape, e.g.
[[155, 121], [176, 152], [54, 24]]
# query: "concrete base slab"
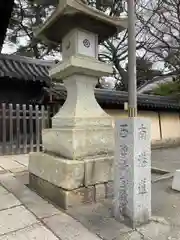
[[152, 230], [7, 163], [15, 218], [35, 231], [3, 191], [176, 181], [155, 230], [67, 228], [69, 198], [8, 201]]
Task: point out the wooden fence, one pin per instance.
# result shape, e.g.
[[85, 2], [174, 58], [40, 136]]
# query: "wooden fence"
[[21, 127]]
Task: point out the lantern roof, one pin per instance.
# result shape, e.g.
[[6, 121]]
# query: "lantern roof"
[[70, 14]]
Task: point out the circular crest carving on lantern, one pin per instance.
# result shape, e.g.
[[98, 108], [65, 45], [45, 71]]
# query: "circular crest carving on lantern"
[[86, 43]]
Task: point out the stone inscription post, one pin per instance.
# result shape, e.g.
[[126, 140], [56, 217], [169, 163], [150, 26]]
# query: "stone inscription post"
[[132, 171]]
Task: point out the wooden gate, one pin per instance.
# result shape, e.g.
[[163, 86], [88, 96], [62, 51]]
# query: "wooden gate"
[[21, 127]]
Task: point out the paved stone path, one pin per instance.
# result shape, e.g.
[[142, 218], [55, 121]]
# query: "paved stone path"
[[25, 215], [13, 163], [168, 159]]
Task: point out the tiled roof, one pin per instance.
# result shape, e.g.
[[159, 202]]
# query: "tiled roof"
[[152, 84], [29, 69], [116, 98], [24, 68]]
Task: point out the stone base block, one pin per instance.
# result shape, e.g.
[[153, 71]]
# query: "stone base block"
[[69, 198], [176, 181], [70, 183], [81, 141], [98, 170], [61, 172], [71, 174]]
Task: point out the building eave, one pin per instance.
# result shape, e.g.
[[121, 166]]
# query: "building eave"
[[116, 99], [24, 68]]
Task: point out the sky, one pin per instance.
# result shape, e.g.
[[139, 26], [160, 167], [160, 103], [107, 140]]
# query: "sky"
[[8, 48]]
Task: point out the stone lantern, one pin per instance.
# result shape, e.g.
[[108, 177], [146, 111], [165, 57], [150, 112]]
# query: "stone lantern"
[[77, 164]]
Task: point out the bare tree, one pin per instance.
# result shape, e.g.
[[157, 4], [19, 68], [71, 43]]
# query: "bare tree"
[[164, 30], [115, 50]]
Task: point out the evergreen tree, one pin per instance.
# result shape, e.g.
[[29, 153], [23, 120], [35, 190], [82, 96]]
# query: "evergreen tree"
[[25, 17]]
